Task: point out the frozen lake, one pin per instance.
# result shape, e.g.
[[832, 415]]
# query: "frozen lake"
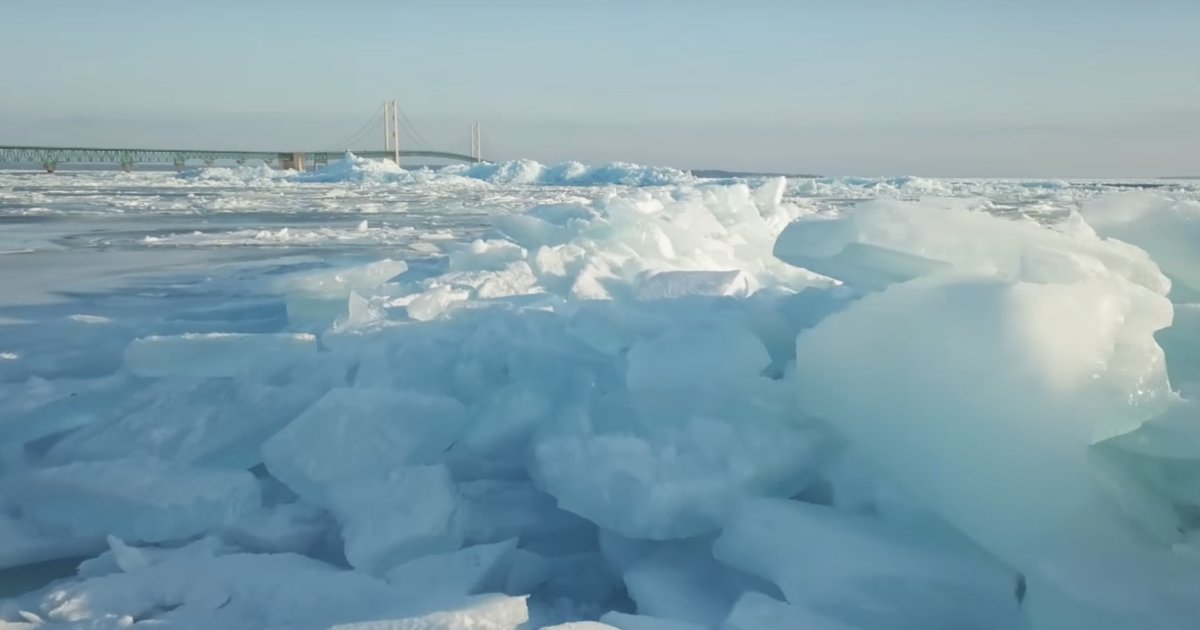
[[523, 395]]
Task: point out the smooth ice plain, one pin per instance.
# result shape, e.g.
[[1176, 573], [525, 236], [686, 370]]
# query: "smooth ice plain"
[[522, 396]]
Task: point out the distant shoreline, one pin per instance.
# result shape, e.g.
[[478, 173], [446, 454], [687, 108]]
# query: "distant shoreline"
[[702, 173], [714, 173]]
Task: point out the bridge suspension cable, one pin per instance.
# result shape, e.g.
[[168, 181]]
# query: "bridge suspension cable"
[[412, 130], [363, 132], [373, 125]]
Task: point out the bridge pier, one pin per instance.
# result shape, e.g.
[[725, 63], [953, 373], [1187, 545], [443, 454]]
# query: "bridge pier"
[[127, 166], [50, 166], [291, 161]]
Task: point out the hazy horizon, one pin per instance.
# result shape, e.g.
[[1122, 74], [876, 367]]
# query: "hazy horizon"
[[860, 88]]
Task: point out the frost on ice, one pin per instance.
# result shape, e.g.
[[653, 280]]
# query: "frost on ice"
[[527, 396]]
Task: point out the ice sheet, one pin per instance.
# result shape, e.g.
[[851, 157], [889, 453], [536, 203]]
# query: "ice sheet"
[[567, 381]]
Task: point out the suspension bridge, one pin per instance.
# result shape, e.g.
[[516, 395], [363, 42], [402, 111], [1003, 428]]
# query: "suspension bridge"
[[392, 121]]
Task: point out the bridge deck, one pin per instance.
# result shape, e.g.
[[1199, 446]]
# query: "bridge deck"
[[50, 157]]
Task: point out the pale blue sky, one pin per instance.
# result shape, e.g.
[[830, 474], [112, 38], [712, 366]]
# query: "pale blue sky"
[[970, 88]]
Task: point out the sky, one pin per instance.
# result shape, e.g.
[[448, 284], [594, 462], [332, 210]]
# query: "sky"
[[967, 88]]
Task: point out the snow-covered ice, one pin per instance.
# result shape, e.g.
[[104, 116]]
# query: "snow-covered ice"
[[519, 395]]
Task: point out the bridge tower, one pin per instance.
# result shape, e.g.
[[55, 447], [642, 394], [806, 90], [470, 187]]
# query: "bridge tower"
[[391, 129], [476, 143]]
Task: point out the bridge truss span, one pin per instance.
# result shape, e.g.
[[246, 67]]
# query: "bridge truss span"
[[50, 157]]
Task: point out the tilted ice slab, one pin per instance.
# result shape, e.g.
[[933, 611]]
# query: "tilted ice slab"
[[214, 422], [361, 433], [23, 542], [468, 571], [1181, 342], [866, 572], [209, 355], [494, 510], [682, 581], [755, 611], [37, 408], [141, 500], [624, 621], [389, 520]]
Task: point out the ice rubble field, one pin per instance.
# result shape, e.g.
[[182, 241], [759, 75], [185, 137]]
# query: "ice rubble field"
[[517, 396]]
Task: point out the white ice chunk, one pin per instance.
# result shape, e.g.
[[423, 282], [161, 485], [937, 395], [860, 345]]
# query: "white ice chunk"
[[868, 572], [624, 621], [515, 279], [581, 625], [320, 296], [353, 433], [1167, 228], [666, 285], [124, 557], [486, 612], [208, 355], [770, 195], [695, 358], [986, 373], [227, 591], [434, 302], [885, 241], [486, 255], [138, 500], [337, 284], [468, 571], [127, 558], [531, 231], [669, 466], [360, 312], [755, 611], [390, 520]]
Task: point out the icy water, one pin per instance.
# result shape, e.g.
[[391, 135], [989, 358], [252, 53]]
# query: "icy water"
[[522, 395]]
